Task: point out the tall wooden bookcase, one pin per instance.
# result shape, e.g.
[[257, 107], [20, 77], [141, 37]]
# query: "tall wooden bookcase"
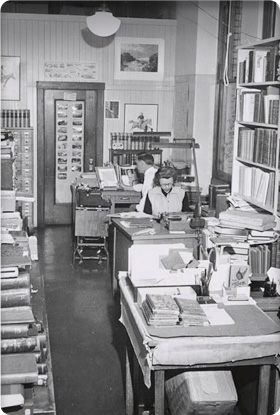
[[256, 176]]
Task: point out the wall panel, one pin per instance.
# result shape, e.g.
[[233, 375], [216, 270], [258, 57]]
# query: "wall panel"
[[38, 38]]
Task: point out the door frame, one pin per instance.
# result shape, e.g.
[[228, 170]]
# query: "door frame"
[[98, 87]]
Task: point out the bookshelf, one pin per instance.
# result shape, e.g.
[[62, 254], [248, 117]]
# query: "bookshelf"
[[256, 164], [126, 146]]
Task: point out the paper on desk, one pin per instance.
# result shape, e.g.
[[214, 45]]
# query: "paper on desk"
[[145, 267], [274, 275], [217, 316], [129, 215], [145, 260]]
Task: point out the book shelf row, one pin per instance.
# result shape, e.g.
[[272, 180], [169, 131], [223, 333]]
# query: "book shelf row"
[[15, 118], [260, 64], [258, 185], [264, 256], [258, 106], [128, 141], [129, 157], [258, 146]]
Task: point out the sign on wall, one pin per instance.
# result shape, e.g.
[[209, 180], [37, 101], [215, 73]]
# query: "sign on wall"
[[71, 71]]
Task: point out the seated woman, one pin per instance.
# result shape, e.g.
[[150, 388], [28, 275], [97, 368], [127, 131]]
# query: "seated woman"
[[164, 197]]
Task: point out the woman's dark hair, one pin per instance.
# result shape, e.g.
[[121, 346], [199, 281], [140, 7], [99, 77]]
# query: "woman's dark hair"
[[165, 172]]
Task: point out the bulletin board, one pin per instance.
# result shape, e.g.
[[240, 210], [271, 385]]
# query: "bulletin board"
[[69, 143]]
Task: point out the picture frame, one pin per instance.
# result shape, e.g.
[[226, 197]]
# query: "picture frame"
[[139, 59], [10, 78], [140, 118], [112, 110]]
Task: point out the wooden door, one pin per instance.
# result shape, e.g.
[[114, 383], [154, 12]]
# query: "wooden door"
[[86, 101]]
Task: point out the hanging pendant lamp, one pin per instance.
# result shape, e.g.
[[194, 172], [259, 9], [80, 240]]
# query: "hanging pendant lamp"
[[103, 23]]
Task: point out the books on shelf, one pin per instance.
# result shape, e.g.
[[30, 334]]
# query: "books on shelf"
[[258, 106], [259, 64], [129, 141], [15, 118], [20, 281], [18, 368], [257, 184], [20, 345], [123, 145], [257, 145], [15, 297]]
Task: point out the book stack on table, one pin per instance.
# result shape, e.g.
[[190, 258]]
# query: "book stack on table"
[[160, 310], [191, 313], [23, 341]]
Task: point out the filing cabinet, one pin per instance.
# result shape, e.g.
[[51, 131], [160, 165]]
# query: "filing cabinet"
[[24, 168], [24, 160]]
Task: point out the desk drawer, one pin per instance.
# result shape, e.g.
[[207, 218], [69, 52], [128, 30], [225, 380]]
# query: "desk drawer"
[[127, 199]]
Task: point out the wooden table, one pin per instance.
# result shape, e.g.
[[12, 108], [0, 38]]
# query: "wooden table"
[[158, 355], [124, 238]]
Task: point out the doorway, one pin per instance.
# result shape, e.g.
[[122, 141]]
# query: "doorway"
[[70, 141]]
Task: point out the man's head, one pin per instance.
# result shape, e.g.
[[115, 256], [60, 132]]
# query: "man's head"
[[144, 162]]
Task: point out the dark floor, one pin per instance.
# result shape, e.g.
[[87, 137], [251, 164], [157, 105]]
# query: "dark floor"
[[86, 339]]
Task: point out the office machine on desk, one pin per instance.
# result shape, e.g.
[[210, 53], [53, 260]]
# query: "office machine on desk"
[[177, 222], [90, 227]]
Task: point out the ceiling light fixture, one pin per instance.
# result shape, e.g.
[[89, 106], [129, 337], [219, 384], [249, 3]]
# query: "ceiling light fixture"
[[103, 23]]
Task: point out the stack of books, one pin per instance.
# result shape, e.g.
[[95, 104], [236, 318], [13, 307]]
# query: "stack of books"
[[7, 145], [245, 219], [23, 340], [160, 310], [191, 313], [139, 223]]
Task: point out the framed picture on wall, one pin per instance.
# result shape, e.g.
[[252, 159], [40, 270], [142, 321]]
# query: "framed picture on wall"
[[139, 59], [112, 109], [140, 117], [10, 82]]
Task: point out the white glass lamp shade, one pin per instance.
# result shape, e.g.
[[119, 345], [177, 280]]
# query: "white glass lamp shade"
[[103, 24]]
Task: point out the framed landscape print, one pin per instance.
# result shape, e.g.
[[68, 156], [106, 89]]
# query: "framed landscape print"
[[140, 117], [10, 78], [139, 59]]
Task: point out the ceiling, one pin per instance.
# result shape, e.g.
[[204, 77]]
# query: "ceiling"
[[134, 9]]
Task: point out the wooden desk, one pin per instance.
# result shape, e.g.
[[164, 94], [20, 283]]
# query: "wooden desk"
[[158, 354], [121, 198], [124, 238]]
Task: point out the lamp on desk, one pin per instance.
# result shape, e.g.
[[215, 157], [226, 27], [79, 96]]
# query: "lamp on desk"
[[103, 23]]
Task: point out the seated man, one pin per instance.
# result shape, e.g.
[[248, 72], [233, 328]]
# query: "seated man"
[[145, 165], [164, 197]]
